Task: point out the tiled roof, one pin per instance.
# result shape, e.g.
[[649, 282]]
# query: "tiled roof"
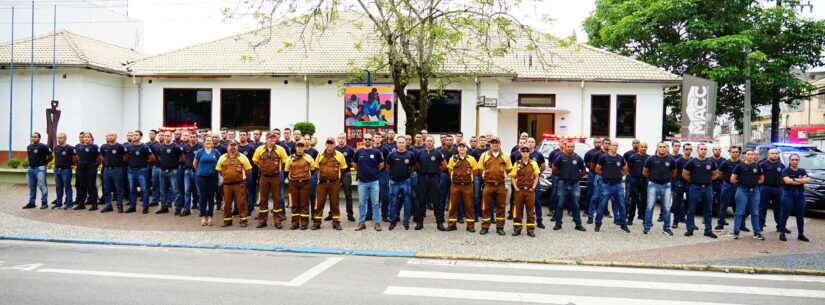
[[70, 49]]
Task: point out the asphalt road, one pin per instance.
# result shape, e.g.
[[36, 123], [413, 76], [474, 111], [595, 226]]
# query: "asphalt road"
[[51, 273]]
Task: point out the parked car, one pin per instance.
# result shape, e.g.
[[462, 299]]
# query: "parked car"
[[762, 148]]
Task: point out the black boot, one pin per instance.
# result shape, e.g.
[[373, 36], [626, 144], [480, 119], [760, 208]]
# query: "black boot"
[[164, 210], [440, 227]]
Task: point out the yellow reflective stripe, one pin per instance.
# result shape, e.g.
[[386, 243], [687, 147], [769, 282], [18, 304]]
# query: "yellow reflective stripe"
[[244, 218], [305, 215], [485, 219], [277, 211], [317, 217], [336, 217], [497, 218], [517, 224], [263, 211], [531, 224], [469, 220], [230, 218], [452, 219]]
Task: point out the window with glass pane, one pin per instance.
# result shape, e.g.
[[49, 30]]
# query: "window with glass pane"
[[444, 114], [626, 116], [542, 100], [245, 108], [187, 107], [600, 116]]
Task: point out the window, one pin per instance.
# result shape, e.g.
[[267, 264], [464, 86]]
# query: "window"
[[600, 116], [245, 108], [187, 107], [542, 100], [444, 114], [626, 116]]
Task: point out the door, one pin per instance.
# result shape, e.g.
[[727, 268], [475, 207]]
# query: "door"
[[537, 124]]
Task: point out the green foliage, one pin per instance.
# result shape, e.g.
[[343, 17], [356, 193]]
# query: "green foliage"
[[24, 163], [14, 163], [726, 41], [306, 128]]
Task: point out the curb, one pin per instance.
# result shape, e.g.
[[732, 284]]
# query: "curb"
[[377, 253]]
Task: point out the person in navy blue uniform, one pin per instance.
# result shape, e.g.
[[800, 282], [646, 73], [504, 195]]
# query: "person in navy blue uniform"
[[139, 156], [88, 159], [637, 184], [216, 140], [659, 170], [346, 175], [570, 168], [514, 155], [700, 172], [369, 161], [114, 160], [400, 164], [386, 148], [430, 162], [447, 150], [793, 201], [728, 188], [64, 159], [747, 176], [593, 180], [247, 148], [680, 186], [719, 181], [478, 145], [612, 167], [191, 196], [169, 157], [154, 172], [39, 156], [771, 191]]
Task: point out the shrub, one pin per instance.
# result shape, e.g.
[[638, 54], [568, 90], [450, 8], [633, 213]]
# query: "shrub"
[[13, 163], [306, 128], [25, 163]]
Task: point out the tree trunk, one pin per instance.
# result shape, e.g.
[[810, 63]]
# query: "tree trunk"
[[775, 114]]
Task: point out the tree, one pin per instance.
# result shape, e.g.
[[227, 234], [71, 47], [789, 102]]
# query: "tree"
[[419, 38], [726, 41]]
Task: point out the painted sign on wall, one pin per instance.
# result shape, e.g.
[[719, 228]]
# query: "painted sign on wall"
[[698, 107]]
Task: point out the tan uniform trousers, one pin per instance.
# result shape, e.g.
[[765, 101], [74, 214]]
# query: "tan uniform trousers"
[[270, 188], [493, 192], [461, 192]]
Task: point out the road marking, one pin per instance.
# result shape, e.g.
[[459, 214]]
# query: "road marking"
[[516, 297], [26, 267], [703, 288], [297, 281], [624, 270]]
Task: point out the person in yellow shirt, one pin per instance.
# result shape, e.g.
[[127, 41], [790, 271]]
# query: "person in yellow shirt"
[[270, 159], [494, 166], [234, 167], [330, 164], [299, 168], [525, 175], [461, 167]]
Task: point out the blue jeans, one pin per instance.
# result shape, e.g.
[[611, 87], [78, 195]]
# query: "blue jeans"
[[615, 193], [190, 190], [63, 183], [368, 191], [771, 196], [658, 190], [444, 189], [37, 180], [747, 199], [137, 177], [384, 192], [717, 195], [679, 207], [568, 192], [113, 183], [594, 190], [252, 190], [477, 183], [181, 183], [156, 189], [637, 199], [697, 193], [554, 195], [414, 191], [169, 184], [405, 190], [793, 202], [207, 186], [727, 199], [539, 194]]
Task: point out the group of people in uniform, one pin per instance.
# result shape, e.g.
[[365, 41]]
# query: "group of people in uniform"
[[460, 182]]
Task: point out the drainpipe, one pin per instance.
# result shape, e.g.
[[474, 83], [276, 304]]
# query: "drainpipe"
[[478, 95], [306, 81], [139, 102], [583, 118]]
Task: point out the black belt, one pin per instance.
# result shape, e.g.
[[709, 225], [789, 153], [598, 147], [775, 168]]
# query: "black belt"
[[494, 183], [329, 181], [430, 174], [136, 168], [657, 182], [112, 167], [299, 181], [524, 188], [270, 176], [167, 169], [701, 184], [64, 167], [748, 188], [233, 183], [462, 183], [777, 185]]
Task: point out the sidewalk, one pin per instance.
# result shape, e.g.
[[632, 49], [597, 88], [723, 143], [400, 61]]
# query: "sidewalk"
[[611, 244]]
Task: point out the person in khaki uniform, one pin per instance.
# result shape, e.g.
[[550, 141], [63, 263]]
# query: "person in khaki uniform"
[[494, 166], [461, 167], [525, 175], [270, 158], [330, 164], [234, 167], [299, 168]]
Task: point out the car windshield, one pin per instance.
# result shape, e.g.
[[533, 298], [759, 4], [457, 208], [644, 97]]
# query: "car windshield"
[[810, 160], [546, 148]]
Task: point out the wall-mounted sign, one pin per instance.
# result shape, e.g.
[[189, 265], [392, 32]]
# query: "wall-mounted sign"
[[698, 107]]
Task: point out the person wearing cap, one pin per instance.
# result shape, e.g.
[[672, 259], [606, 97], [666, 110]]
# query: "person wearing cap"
[[270, 158], [299, 168], [525, 175], [234, 167], [461, 168], [330, 164], [369, 161], [494, 166]]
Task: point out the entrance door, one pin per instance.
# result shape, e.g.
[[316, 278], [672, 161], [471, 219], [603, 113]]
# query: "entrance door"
[[536, 124]]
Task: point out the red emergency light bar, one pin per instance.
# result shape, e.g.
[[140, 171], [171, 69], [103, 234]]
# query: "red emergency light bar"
[[193, 127], [550, 136]]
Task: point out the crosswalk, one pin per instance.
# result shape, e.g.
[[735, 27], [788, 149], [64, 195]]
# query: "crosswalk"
[[517, 283]]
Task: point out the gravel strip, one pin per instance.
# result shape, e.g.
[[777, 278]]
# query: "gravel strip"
[[815, 261]]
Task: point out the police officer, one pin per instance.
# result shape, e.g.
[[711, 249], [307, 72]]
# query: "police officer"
[[659, 171], [154, 171], [728, 188], [39, 156], [593, 180], [477, 147], [747, 176], [719, 181], [330, 164], [234, 167], [299, 167], [554, 182], [139, 156], [461, 168], [447, 150], [190, 191], [700, 172], [525, 175], [612, 167], [514, 156], [64, 158], [680, 186], [771, 193], [570, 168], [114, 157], [637, 184], [400, 165], [168, 157], [88, 159], [270, 158], [494, 166], [794, 179], [430, 161], [346, 175]]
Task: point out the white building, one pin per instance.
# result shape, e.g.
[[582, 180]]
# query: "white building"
[[582, 91]]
